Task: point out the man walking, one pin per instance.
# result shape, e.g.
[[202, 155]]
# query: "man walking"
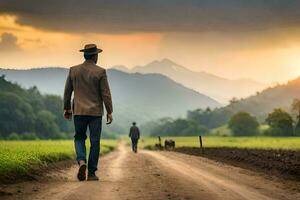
[[90, 86], [134, 134]]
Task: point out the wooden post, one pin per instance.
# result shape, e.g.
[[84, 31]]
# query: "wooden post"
[[159, 141], [201, 147]]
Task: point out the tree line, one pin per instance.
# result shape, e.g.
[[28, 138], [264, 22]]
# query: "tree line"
[[27, 114], [201, 122]]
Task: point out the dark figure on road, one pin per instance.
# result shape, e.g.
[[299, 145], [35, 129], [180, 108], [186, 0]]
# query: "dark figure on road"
[[90, 86], [134, 134]]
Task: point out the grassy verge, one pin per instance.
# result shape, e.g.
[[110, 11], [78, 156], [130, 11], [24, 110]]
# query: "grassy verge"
[[225, 131], [291, 143], [19, 157]]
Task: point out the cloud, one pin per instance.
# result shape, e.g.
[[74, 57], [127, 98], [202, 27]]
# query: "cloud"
[[8, 42], [126, 16]]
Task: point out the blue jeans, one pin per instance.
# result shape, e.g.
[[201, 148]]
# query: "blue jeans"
[[134, 143], [94, 123]]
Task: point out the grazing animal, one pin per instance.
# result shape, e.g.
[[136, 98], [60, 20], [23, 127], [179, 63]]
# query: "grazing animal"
[[169, 144]]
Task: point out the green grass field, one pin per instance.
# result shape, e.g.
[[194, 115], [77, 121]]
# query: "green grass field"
[[18, 157], [225, 131], [240, 142]]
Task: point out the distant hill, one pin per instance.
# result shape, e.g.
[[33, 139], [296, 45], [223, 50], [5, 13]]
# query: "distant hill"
[[280, 96], [26, 114], [137, 97], [122, 68], [216, 87], [259, 105]]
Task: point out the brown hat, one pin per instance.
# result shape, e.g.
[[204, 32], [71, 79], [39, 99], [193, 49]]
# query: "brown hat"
[[90, 49]]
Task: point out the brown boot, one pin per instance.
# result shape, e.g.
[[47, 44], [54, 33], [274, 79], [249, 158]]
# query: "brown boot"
[[92, 177], [81, 175]]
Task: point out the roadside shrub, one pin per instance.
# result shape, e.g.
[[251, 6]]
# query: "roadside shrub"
[[243, 124], [280, 122], [45, 125], [297, 130], [29, 136], [13, 136], [179, 127]]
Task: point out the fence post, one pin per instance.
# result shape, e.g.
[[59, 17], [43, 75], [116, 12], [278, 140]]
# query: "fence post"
[[201, 146], [159, 141]]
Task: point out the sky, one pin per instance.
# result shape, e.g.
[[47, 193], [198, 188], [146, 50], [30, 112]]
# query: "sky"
[[257, 39]]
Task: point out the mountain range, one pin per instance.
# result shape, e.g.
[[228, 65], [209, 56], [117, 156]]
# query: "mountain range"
[[136, 97], [219, 88], [148, 96]]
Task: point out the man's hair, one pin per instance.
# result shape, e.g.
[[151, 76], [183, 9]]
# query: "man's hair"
[[133, 123], [89, 57]]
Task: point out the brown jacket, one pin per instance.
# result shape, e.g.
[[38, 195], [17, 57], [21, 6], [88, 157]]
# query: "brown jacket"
[[91, 89]]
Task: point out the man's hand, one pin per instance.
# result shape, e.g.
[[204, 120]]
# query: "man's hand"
[[68, 114], [109, 118]]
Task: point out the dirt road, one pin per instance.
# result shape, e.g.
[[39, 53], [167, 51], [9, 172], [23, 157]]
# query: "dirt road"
[[155, 175]]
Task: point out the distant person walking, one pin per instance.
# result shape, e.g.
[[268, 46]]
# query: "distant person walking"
[[134, 134], [90, 86]]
